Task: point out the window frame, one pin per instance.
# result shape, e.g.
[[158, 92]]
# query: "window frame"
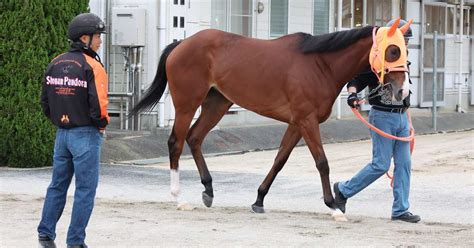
[[286, 24]]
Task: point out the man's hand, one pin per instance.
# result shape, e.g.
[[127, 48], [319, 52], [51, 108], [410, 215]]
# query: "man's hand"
[[353, 100]]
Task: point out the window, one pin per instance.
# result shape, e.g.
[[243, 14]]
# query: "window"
[[233, 16], [471, 17], [428, 86], [278, 18], [403, 9], [358, 13], [379, 12], [346, 13], [321, 17], [466, 24], [429, 53], [352, 13], [181, 22], [434, 19], [218, 14], [175, 21], [241, 17], [450, 20]]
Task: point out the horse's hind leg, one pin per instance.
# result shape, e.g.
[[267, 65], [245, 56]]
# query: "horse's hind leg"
[[289, 141], [175, 147], [213, 108], [186, 104]]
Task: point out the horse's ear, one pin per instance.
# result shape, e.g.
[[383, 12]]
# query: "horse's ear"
[[393, 27], [406, 26]]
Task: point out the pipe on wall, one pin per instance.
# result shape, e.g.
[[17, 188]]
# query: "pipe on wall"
[[162, 42], [461, 28]]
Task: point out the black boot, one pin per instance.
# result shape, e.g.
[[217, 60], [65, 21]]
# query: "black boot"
[[339, 198], [77, 246], [46, 242]]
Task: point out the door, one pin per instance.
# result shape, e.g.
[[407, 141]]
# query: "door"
[[434, 17]]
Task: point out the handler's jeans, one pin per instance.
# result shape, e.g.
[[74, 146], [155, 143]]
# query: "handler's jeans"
[[383, 149], [76, 152]]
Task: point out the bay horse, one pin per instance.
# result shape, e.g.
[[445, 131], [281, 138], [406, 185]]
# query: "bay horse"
[[293, 79]]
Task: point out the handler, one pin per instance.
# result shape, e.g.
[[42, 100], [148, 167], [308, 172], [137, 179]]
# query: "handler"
[[74, 98], [389, 116]]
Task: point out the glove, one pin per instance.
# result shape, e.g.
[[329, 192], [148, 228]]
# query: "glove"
[[353, 100]]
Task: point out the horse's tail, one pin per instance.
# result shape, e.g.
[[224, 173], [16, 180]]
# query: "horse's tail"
[[158, 86]]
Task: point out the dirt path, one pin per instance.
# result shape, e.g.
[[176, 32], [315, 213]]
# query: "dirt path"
[[132, 211]]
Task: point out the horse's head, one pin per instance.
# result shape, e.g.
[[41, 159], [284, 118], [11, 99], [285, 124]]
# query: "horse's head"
[[388, 58]]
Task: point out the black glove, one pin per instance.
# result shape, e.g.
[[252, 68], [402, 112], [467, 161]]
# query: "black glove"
[[353, 100]]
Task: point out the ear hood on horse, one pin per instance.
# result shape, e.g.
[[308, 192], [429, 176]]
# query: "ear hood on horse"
[[158, 86]]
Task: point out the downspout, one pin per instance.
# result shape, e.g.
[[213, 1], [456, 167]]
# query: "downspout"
[[162, 44], [339, 27], [107, 36], [461, 27]]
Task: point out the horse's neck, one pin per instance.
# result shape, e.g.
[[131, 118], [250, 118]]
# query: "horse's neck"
[[345, 64]]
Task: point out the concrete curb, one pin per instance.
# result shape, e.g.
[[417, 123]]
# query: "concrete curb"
[[142, 148]]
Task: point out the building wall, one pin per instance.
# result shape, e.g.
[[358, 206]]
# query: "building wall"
[[262, 22], [300, 16], [197, 15]]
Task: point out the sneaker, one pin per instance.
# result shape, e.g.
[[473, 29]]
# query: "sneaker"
[[339, 199], [45, 242], [408, 217]]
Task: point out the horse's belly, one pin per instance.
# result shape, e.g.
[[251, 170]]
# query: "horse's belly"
[[260, 103]]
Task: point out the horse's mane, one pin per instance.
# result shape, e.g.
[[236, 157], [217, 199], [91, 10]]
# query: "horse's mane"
[[332, 41]]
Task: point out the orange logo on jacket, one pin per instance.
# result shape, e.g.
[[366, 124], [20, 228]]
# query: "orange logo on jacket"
[[65, 119]]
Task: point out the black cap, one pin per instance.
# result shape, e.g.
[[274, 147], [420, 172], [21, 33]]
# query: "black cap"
[[408, 33], [85, 24]]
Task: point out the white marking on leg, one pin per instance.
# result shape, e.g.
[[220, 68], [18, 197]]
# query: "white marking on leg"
[[174, 185]]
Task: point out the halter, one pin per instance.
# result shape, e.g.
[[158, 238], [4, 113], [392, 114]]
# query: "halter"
[[378, 55]]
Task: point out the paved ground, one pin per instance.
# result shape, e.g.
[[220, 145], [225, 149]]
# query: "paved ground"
[[133, 209]]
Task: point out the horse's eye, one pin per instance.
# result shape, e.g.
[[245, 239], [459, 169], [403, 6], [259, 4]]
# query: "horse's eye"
[[392, 53]]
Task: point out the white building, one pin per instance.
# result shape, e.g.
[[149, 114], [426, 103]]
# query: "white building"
[[140, 29]]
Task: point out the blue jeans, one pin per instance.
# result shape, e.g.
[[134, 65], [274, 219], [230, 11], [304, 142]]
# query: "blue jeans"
[[76, 152], [383, 149]]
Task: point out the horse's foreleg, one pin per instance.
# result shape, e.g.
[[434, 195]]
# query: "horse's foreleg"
[[310, 131], [213, 108], [289, 141]]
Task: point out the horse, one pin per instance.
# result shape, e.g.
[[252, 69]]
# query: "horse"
[[294, 79]]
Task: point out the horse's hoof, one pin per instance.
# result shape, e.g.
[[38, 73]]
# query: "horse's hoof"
[[207, 199], [338, 215], [257, 209], [184, 206]]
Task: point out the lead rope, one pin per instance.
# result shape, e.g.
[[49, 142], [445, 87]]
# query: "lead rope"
[[410, 138]]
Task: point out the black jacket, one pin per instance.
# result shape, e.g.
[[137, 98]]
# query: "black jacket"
[[75, 90]]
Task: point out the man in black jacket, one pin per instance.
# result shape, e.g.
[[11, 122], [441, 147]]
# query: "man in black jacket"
[[74, 98], [390, 116]]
